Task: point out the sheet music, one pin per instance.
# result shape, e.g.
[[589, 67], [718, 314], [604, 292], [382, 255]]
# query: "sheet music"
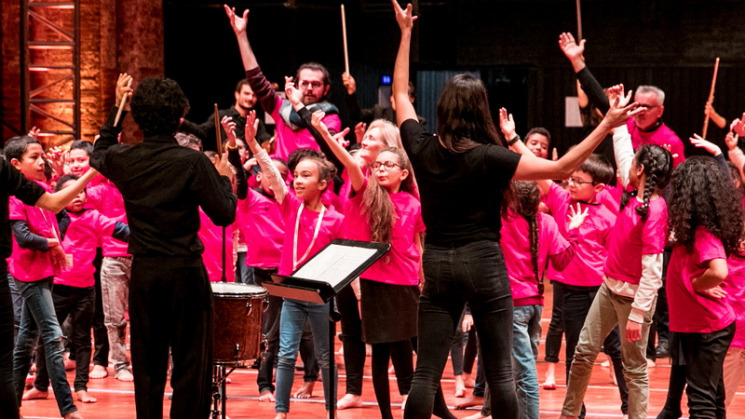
[[334, 264]]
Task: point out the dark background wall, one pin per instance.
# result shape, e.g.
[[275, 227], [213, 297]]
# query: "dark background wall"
[[512, 43]]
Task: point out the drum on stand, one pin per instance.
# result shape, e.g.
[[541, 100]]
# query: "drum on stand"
[[238, 312]]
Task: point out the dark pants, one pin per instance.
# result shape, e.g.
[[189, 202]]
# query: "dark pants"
[[8, 403], [351, 337], [170, 302], [472, 273], [270, 329], [577, 302], [469, 354], [400, 354], [704, 355], [556, 327], [79, 305], [100, 334]]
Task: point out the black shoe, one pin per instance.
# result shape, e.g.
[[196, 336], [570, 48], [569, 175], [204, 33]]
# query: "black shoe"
[[663, 349], [667, 414]]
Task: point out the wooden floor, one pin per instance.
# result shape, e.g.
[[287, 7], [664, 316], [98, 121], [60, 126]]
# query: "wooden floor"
[[116, 399]]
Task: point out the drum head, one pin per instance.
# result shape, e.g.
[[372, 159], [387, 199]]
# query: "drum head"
[[236, 290]]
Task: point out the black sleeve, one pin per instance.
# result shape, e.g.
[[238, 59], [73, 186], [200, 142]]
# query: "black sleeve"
[[63, 220], [306, 116], [214, 192], [202, 131], [108, 138], [121, 232], [26, 239], [241, 182], [412, 137], [357, 114], [723, 166], [16, 184], [593, 90]]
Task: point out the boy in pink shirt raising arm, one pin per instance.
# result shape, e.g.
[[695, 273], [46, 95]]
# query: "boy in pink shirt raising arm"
[[73, 292]]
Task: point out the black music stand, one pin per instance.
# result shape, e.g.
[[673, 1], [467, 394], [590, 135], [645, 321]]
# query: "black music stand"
[[322, 277]]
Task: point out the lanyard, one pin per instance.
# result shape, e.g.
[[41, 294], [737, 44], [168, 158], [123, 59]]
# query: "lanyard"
[[297, 232]]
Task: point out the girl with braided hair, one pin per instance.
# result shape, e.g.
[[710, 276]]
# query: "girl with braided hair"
[[632, 276], [706, 226], [529, 239]]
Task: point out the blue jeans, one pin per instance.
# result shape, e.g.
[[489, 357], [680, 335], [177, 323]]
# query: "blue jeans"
[[473, 273], [243, 274], [39, 317], [293, 318], [526, 330]]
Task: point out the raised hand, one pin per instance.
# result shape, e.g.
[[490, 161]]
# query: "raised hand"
[[349, 83], [669, 149], [699, 142], [294, 95], [123, 89], [620, 109], [34, 132], [404, 17], [731, 140], [506, 124], [570, 48], [228, 125], [577, 217], [359, 131], [58, 157], [238, 23], [738, 126], [223, 165]]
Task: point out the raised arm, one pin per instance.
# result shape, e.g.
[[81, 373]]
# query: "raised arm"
[[531, 167], [404, 108], [353, 169], [239, 24], [575, 54], [262, 157], [56, 202]]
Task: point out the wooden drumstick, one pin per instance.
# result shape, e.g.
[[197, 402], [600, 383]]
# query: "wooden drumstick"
[[579, 22], [711, 97], [344, 37], [121, 105], [218, 131]]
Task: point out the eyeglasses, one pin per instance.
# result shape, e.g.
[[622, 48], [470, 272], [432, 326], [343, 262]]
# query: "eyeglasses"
[[579, 182], [387, 164], [314, 84]]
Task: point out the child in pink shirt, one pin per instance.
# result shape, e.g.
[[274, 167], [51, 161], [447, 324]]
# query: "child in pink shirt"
[[310, 226], [218, 253], [633, 274], [706, 224], [529, 238], [383, 209], [37, 256], [734, 361], [73, 292]]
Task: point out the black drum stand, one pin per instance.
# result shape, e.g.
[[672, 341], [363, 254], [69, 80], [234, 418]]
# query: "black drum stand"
[[219, 396]]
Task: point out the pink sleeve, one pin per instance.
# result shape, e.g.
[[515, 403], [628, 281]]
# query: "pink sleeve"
[[560, 250], [16, 209], [557, 198], [654, 232], [104, 225], [709, 247], [333, 122]]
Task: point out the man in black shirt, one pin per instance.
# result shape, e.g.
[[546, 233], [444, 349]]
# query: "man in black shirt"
[[163, 185], [245, 100]]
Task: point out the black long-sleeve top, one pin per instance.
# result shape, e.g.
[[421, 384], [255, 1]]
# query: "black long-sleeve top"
[[163, 185], [206, 130]]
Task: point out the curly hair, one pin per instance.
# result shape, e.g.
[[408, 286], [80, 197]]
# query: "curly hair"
[[657, 165], [703, 196], [158, 105], [527, 199]]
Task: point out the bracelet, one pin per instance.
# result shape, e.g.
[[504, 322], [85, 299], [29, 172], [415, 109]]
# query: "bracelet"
[[514, 139], [227, 145]]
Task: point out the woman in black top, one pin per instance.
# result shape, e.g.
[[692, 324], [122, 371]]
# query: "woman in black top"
[[463, 175]]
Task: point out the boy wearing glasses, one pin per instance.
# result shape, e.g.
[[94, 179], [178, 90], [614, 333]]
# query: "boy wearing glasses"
[[585, 193]]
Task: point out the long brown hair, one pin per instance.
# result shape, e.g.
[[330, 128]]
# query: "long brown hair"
[[377, 206]]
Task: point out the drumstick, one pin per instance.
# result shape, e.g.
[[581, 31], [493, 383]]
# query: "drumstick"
[[121, 105], [711, 97], [218, 132], [579, 22], [344, 36]]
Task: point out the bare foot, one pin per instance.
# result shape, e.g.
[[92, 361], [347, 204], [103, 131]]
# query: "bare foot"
[[124, 375], [468, 380], [35, 394], [280, 416], [73, 415], [69, 364], [84, 397], [460, 386], [470, 401], [306, 391], [349, 401], [650, 363], [266, 396], [98, 372], [477, 416]]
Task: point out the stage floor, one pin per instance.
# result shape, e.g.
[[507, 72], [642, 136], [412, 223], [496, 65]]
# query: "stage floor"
[[116, 399]]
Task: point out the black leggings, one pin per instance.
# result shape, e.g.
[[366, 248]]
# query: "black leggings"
[[403, 363]]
